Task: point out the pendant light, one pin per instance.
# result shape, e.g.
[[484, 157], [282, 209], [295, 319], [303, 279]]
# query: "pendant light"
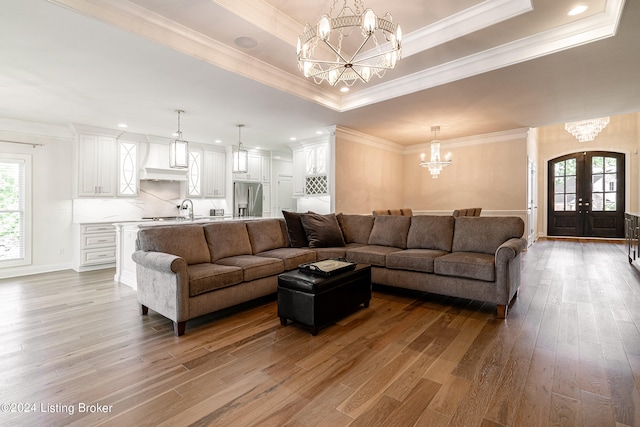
[[179, 149], [240, 155]]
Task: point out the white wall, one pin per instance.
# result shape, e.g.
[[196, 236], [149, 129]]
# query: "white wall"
[[52, 166]]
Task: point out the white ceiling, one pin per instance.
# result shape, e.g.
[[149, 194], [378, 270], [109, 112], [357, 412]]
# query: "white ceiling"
[[469, 66]]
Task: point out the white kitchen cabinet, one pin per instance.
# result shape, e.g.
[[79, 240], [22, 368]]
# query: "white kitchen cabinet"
[[214, 176], [299, 169], [127, 168], [95, 246], [265, 169], [206, 176], [266, 200], [254, 169], [316, 159], [97, 166], [194, 176]]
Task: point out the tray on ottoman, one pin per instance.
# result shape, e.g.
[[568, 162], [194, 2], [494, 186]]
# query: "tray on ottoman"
[[316, 301]]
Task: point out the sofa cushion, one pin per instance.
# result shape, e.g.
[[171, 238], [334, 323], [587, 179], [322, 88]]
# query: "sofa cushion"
[[485, 234], [291, 257], [254, 267], [413, 259], [226, 239], [209, 277], [323, 231], [471, 265], [331, 253], [266, 234], [295, 230], [186, 241], [390, 230], [355, 228], [370, 254], [431, 232]]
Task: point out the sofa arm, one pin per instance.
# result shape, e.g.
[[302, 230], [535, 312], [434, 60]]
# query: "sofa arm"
[[509, 249], [163, 283], [159, 261], [507, 259]]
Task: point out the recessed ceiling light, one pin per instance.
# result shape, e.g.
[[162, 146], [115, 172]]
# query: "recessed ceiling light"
[[344, 89], [319, 132], [293, 138], [122, 125], [257, 148], [245, 42], [578, 10], [217, 141]]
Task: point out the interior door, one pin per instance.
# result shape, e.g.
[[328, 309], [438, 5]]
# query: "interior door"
[[586, 195]]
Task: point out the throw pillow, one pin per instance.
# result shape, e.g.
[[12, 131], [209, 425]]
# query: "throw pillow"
[[295, 230], [323, 231]]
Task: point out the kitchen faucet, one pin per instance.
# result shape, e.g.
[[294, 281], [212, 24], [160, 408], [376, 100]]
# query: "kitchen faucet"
[[182, 206]]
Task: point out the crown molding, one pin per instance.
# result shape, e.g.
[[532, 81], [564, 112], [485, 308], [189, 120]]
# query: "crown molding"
[[468, 21], [487, 138], [32, 132], [152, 26], [346, 134], [595, 27], [138, 20], [263, 15]]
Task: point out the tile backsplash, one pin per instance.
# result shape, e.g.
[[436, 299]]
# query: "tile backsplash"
[[156, 198]]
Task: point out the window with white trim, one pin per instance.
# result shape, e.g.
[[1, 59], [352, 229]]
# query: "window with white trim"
[[15, 227]]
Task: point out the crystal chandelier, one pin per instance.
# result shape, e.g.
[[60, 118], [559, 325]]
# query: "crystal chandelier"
[[240, 156], [375, 43], [435, 165], [587, 130], [179, 149]]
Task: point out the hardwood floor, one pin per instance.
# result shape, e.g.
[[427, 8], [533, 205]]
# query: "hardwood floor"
[[568, 354]]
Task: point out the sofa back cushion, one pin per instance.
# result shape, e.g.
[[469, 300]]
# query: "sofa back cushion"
[[390, 230], [485, 234], [431, 232], [186, 241], [323, 231], [356, 228], [267, 234], [227, 239]]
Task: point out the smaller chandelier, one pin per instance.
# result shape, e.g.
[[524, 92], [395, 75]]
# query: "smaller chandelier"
[[436, 164], [240, 156], [587, 130], [179, 149], [323, 49]]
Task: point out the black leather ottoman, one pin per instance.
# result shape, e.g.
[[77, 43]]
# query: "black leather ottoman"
[[318, 301]]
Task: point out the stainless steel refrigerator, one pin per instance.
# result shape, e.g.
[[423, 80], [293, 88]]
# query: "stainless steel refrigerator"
[[247, 199]]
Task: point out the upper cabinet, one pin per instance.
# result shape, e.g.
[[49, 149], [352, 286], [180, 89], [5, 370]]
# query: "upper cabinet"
[[107, 166], [127, 168], [258, 169], [214, 177], [316, 159], [97, 169], [310, 169], [206, 177]]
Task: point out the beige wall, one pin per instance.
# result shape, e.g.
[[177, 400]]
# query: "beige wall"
[[489, 172], [368, 176], [621, 135]]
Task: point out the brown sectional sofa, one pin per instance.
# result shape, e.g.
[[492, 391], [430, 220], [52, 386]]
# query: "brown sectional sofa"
[[188, 270]]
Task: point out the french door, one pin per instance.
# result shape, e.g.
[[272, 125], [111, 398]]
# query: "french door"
[[586, 195]]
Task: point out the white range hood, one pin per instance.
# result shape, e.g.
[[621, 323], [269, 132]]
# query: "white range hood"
[[155, 166]]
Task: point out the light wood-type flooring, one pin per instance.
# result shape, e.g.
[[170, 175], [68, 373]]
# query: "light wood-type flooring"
[[74, 350]]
